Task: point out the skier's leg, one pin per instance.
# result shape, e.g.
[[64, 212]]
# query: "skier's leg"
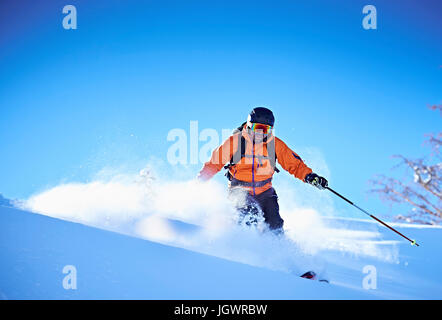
[[248, 208], [249, 213], [268, 201]]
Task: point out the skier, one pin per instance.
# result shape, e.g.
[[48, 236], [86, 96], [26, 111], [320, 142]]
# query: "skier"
[[250, 154]]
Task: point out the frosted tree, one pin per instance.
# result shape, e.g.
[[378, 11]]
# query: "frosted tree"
[[422, 191]]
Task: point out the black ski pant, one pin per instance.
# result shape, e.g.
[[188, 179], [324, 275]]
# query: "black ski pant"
[[267, 203]]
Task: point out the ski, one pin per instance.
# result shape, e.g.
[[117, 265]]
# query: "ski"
[[311, 275]]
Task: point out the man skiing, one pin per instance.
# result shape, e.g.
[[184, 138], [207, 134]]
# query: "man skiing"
[[250, 154]]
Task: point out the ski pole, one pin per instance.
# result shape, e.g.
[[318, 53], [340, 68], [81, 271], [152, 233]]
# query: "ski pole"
[[413, 242]]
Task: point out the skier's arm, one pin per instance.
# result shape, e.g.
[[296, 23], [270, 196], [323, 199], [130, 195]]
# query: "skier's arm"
[[290, 160], [220, 156]]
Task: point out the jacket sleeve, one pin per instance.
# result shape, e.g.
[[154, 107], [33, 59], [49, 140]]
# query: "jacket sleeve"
[[290, 160], [220, 156]]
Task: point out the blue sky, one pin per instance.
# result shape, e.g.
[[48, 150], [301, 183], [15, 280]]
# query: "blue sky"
[[108, 93]]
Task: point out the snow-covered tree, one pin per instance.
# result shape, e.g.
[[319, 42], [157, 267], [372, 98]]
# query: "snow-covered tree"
[[422, 191]]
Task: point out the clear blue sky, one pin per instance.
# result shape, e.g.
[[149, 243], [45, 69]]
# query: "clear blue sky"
[[72, 101]]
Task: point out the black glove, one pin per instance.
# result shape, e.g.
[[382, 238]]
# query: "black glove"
[[317, 181]]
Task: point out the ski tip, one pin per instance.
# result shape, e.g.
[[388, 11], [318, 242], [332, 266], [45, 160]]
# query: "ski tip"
[[414, 243], [309, 275]]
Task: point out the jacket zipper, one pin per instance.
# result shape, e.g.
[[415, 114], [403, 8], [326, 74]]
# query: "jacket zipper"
[[253, 167]]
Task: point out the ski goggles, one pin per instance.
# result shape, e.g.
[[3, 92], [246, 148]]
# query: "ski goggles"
[[260, 128]]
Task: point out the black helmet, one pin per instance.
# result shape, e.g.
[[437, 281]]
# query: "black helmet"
[[261, 115]]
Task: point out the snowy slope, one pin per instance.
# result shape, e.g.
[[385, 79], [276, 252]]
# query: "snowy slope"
[[35, 248], [414, 274], [402, 271]]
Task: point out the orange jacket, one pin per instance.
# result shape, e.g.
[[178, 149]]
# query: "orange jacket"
[[255, 166]]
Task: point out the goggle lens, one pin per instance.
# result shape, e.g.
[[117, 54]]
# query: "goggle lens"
[[261, 128]]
